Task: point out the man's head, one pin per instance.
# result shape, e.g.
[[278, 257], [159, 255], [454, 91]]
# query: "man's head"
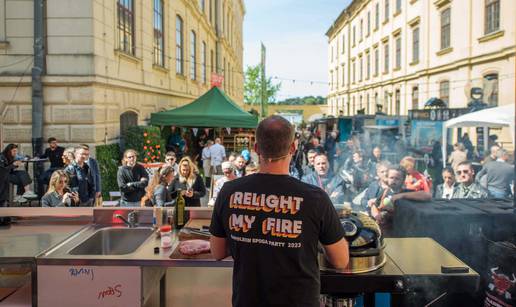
[[240, 162], [357, 156], [227, 168], [395, 178], [333, 134], [448, 176], [52, 143], [311, 155], [465, 173], [217, 140], [170, 158], [82, 153], [321, 165], [377, 152], [130, 156], [232, 157], [493, 150], [209, 143], [502, 154], [274, 138], [382, 169], [315, 141]]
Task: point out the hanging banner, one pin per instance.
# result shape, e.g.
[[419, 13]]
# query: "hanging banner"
[[207, 131], [228, 129], [216, 80], [195, 131]]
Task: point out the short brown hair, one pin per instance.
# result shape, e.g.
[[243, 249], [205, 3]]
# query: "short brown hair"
[[274, 136]]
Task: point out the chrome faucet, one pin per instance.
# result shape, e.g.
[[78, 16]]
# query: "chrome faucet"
[[132, 219]]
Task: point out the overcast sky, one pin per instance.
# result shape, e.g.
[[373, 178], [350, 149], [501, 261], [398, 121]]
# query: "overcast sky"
[[293, 31]]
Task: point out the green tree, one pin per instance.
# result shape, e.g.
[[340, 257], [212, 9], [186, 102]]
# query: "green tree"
[[253, 86]]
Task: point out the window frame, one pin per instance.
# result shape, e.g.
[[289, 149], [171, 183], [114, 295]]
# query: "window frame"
[[415, 44], [491, 24], [386, 58], [159, 35], [125, 27], [180, 66], [386, 11], [204, 47], [444, 91], [193, 55], [445, 28], [397, 52]]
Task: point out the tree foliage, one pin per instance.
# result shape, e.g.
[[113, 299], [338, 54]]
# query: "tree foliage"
[[307, 100], [253, 86]]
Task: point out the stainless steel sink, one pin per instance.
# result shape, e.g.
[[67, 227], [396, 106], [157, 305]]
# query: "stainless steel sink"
[[112, 241]]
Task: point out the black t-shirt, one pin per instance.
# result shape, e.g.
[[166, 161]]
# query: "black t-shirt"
[[273, 224]]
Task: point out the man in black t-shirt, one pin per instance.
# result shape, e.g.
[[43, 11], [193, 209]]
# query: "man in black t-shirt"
[[271, 223]]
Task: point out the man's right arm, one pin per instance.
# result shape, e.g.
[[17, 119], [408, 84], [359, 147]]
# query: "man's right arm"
[[338, 253]]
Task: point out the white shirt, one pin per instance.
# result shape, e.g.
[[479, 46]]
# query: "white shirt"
[[447, 191], [217, 154], [206, 153]]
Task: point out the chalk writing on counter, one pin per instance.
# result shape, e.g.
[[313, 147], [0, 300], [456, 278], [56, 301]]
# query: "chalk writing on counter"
[[75, 272], [115, 291]]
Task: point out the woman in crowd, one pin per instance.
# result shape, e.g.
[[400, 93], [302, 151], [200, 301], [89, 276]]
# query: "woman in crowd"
[[189, 182], [68, 156], [414, 180], [132, 179], [20, 178], [157, 191], [447, 188], [458, 155], [58, 194]]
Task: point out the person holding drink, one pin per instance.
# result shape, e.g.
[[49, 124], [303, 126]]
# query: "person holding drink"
[[59, 194], [189, 183]]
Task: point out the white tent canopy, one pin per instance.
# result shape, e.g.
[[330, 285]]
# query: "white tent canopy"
[[493, 117]]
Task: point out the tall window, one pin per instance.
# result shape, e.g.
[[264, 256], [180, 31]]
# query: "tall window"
[[211, 8], [444, 91], [386, 58], [343, 44], [367, 104], [415, 45], [179, 46], [385, 105], [397, 102], [202, 5], [387, 11], [368, 23], [359, 103], [337, 75], [415, 98], [491, 82], [492, 18], [398, 6], [354, 35], [193, 64], [445, 28], [361, 69], [361, 29], [159, 55], [377, 16], [203, 61], [376, 61], [368, 66], [125, 12], [212, 62], [331, 79], [376, 102], [343, 74], [353, 72], [398, 52]]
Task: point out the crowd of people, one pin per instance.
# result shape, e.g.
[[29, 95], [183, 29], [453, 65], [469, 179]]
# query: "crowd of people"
[[366, 180]]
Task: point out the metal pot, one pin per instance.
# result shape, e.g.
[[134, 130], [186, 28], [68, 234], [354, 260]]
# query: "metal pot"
[[365, 245]]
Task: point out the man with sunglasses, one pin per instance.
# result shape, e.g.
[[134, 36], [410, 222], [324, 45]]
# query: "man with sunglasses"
[[468, 187], [170, 160]]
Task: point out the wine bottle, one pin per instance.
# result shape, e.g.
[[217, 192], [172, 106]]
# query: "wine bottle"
[[179, 217]]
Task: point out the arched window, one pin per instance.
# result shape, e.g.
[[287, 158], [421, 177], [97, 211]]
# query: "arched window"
[[491, 89], [127, 119]]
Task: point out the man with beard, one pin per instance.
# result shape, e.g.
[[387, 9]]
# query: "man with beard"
[[81, 177], [383, 207], [239, 166], [468, 187], [309, 167], [376, 188], [323, 177]]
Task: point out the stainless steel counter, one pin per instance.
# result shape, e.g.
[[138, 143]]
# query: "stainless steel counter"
[[142, 256], [23, 241]]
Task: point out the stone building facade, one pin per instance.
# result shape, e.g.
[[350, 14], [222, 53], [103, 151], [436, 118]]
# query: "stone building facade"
[[110, 64], [394, 55]]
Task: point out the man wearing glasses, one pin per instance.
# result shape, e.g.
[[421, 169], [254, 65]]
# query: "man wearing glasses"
[[170, 160], [468, 187]]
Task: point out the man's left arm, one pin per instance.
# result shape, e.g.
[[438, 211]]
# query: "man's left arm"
[[218, 239], [417, 196]]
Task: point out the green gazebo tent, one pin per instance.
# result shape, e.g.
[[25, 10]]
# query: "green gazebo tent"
[[213, 109]]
